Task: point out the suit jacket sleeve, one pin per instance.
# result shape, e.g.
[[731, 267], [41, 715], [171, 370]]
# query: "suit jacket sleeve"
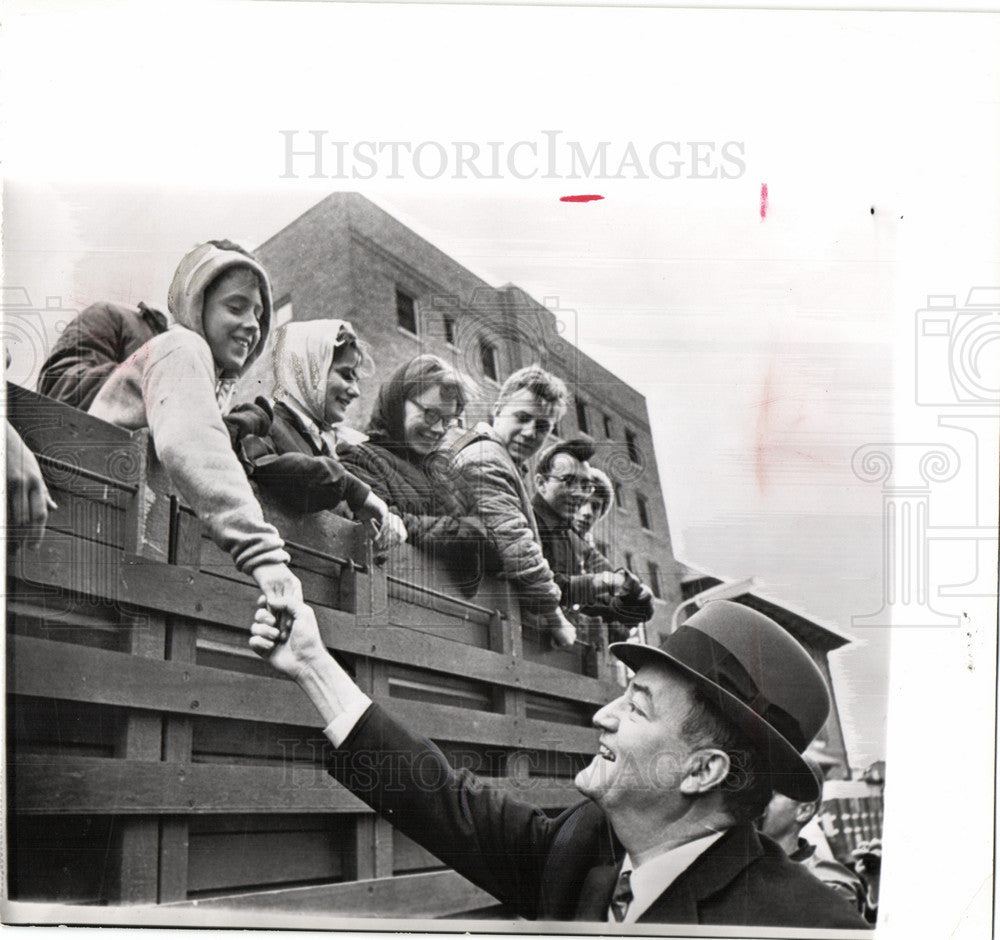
[[494, 840]]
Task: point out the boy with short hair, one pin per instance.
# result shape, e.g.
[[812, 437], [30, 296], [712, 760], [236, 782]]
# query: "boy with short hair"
[[488, 462]]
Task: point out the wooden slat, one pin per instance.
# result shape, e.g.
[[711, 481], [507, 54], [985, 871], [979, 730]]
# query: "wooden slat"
[[180, 590], [56, 785], [431, 894], [229, 861], [44, 668]]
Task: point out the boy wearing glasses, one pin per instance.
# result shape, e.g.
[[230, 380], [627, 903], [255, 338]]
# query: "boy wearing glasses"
[[588, 582], [487, 464]]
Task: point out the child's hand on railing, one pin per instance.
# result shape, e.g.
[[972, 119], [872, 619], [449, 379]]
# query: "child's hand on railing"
[[385, 527]]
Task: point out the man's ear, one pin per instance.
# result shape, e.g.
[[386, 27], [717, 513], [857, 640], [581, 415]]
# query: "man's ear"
[[805, 811], [705, 770]]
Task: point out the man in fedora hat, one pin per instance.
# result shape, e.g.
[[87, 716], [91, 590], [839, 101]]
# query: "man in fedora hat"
[[689, 754]]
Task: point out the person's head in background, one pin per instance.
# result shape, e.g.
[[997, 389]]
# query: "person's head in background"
[[785, 818], [597, 504], [416, 405], [529, 406], [317, 366], [562, 476]]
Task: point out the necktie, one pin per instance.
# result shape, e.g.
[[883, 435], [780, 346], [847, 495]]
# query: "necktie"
[[622, 897]]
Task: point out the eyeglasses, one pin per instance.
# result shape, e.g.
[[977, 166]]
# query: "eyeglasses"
[[431, 417], [583, 485]]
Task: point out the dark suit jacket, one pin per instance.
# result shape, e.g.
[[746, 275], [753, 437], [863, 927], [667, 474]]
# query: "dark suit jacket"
[[565, 868]]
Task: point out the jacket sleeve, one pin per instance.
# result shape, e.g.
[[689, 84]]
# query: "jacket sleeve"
[[491, 492], [302, 482], [178, 390], [626, 610], [86, 353], [369, 468], [496, 841]]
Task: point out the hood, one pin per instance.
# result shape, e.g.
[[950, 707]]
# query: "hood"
[[385, 427], [198, 268], [303, 354]]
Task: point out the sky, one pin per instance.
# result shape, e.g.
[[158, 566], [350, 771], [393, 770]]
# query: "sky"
[[770, 346]]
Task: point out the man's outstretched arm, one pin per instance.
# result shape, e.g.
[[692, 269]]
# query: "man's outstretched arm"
[[497, 842]]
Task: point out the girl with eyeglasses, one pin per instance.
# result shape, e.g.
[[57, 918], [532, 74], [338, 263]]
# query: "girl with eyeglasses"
[[419, 402]]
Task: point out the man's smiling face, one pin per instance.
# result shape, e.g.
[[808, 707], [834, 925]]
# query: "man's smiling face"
[[640, 762]]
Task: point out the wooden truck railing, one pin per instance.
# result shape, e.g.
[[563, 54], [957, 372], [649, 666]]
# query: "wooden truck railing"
[[153, 758]]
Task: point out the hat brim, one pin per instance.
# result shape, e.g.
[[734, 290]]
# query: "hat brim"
[[788, 772]]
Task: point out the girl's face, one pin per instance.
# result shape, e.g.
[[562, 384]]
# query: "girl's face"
[[425, 419], [231, 318], [341, 384]]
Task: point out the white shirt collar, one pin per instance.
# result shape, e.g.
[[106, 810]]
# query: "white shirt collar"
[[650, 879]]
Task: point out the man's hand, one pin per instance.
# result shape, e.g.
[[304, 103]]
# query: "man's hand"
[[608, 584], [387, 527], [563, 632], [304, 645], [279, 585], [28, 500]]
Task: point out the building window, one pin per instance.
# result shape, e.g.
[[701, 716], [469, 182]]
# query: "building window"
[[282, 312], [406, 312], [653, 571], [607, 426], [619, 496], [449, 330], [643, 507], [581, 417], [488, 358], [630, 445]]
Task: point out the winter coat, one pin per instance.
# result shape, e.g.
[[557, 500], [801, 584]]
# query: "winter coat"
[[92, 346]]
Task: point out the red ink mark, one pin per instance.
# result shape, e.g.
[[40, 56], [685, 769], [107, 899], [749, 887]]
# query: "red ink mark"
[[763, 201], [579, 198]]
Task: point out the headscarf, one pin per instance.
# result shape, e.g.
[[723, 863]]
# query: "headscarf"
[[386, 426], [186, 301], [304, 351]]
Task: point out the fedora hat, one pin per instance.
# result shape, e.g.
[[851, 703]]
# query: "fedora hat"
[[760, 679]]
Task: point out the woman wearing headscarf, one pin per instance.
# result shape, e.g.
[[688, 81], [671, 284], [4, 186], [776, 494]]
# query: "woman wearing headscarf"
[[316, 366], [420, 401]]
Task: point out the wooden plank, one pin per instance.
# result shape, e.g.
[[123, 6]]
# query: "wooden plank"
[[220, 861], [44, 668], [174, 843], [430, 894], [137, 839], [180, 590], [56, 785], [65, 786]]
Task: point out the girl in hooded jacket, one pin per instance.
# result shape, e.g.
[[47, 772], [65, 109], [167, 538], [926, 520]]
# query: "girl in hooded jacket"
[[316, 365], [414, 408], [178, 385]]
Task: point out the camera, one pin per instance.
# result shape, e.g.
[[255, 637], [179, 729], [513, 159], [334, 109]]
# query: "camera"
[[958, 350]]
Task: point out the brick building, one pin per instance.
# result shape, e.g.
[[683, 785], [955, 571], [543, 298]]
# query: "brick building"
[[347, 258]]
